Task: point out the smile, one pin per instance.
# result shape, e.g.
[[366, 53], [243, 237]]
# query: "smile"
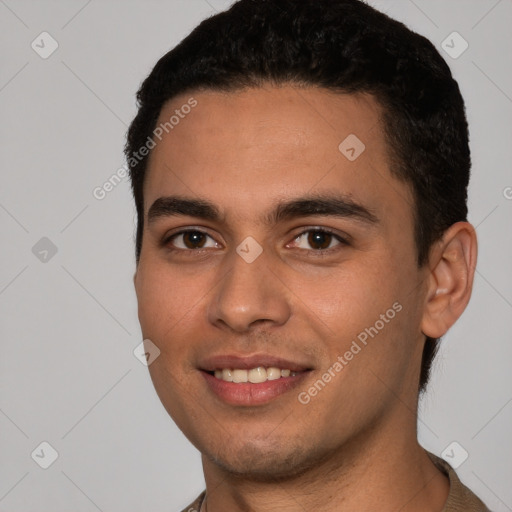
[[254, 375]]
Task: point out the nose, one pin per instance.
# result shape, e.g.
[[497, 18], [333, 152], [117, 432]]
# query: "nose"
[[250, 294]]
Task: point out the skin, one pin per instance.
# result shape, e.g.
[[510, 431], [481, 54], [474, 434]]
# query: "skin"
[[354, 445]]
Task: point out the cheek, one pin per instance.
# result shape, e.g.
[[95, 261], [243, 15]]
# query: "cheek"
[[347, 298], [372, 301], [165, 297]]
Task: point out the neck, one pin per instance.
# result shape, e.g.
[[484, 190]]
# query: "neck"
[[378, 473]]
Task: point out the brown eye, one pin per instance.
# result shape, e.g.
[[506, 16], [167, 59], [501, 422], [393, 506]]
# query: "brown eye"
[[194, 239], [190, 240], [319, 239]]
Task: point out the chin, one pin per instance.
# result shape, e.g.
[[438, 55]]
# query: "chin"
[[264, 463]]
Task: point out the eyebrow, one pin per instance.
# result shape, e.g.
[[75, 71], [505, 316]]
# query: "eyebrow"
[[324, 205]]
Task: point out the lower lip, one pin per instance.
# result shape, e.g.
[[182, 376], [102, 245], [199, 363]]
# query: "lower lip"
[[246, 393]]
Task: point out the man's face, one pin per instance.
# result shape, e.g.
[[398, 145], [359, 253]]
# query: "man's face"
[[336, 275]]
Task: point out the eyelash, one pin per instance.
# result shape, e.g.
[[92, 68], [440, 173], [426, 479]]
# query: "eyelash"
[[316, 252]]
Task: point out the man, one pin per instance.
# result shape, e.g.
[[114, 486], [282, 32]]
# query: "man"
[[300, 170]]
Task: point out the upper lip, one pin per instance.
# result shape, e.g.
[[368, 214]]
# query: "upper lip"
[[222, 361]]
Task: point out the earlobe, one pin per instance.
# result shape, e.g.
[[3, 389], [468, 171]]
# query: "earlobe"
[[452, 269]]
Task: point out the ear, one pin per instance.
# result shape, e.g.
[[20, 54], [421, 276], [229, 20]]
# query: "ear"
[[452, 265]]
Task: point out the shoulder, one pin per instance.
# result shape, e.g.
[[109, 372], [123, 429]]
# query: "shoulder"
[[460, 498], [196, 505]]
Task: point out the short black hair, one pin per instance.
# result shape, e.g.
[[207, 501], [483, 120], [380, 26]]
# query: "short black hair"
[[344, 46]]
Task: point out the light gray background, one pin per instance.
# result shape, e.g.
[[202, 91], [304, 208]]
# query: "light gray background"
[[68, 375]]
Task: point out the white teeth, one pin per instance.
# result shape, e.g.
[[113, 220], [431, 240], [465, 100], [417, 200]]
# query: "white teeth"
[[225, 375], [254, 375], [240, 376], [273, 373], [257, 375]]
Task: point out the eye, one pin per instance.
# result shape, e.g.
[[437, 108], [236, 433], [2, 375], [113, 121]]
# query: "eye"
[[190, 240], [318, 240]]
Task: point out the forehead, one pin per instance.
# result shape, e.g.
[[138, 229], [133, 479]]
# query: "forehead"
[[284, 117], [246, 148]]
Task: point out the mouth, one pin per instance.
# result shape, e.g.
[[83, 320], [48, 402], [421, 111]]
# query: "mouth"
[[250, 381], [254, 375]]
